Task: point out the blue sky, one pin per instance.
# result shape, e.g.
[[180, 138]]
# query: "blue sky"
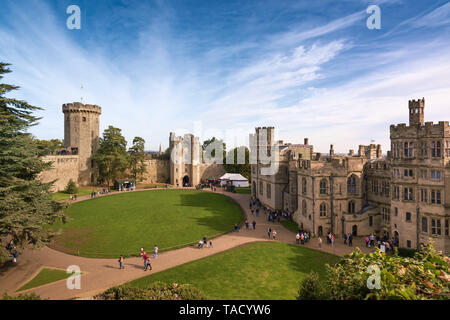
[[309, 68]]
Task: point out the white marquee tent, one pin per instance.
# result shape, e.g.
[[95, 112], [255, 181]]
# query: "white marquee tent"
[[234, 179]]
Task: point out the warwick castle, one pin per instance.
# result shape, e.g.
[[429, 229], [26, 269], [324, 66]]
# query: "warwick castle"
[[404, 194]]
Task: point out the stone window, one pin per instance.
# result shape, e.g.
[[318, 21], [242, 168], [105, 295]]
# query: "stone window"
[[304, 185], [436, 149], [261, 188], [408, 194], [396, 211], [408, 149], [435, 175], [424, 195], [408, 243], [436, 226], [84, 119], [424, 174], [351, 184], [435, 196], [396, 193], [408, 216], [351, 207], [370, 221], [446, 227], [269, 191], [425, 225], [323, 209], [447, 148], [323, 186]]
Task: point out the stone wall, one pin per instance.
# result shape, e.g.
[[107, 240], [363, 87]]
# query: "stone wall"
[[157, 171], [63, 169]]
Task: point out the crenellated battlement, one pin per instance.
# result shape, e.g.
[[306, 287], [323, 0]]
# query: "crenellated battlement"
[[79, 107]]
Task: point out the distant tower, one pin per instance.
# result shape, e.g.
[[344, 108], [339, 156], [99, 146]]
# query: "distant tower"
[[160, 150], [81, 136], [416, 112]]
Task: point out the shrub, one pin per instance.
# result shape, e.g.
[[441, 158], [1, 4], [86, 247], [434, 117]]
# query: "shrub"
[[311, 288], [422, 277], [155, 291], [406, 252], [71, 187], [23, 296]]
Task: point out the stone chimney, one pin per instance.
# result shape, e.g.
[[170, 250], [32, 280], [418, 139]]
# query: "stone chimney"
[[306, 141], [331, 150]]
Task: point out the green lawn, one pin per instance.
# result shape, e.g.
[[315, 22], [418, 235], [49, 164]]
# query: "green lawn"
[[243, 190], [124, 223], [290, 225], [258, 271], [82, 191], [45, 276]]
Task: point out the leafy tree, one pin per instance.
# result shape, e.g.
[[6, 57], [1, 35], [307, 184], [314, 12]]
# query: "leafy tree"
[[208, 142], [137, 158], [25, 202], [244, 169], [425, 276], [46, 147], [112, 158], [71, 187], [311, 288]]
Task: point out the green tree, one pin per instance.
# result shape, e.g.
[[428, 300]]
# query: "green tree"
[[46, 147], [71, 187], [422, 277], [311, 288], [112, 158], [137, 158], [233, 167], [205, 145], [26, 204]]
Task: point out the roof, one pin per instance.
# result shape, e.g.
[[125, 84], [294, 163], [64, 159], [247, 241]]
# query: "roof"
[[233, 177]]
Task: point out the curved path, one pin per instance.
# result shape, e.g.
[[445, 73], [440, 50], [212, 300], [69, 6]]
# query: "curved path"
[[100, 274]]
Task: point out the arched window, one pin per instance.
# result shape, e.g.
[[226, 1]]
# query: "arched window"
[[351, 207], [304, 186], [351, 184], [304, 208], [424, 224], [323, 186], [323, 209]]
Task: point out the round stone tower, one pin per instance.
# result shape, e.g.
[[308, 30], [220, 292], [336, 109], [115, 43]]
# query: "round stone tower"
[[81, 136]]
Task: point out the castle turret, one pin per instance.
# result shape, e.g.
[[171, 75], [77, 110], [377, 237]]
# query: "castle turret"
[[81, 136], [416, 112]]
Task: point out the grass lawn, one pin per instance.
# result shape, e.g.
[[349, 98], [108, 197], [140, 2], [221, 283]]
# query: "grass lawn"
[[243, 190], [82, 191], [258, 271], [290, 225], [123, 223], [45, 276]]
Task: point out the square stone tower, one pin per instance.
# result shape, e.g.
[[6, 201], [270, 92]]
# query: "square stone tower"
[[81, 136]]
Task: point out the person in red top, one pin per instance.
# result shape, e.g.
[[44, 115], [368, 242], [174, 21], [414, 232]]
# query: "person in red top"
[[145, 257]]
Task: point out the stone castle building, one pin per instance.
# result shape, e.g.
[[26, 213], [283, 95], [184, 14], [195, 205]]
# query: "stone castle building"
[[81, 141], [404, 195]]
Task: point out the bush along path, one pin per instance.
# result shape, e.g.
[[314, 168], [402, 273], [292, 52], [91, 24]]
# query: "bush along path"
[[101, 274]]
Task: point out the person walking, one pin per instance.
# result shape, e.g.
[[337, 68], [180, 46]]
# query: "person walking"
[[320, 242], [155, 251], [345, 238], [252, 210], [332, 239], [257, 211], [121, 263], [210, 244], [350, 240], [246, 224], [274, 234], [302, 238], [367, 242], [145, 258], [269, 232], [149, 265], [142, 252], [254, 224], [297, 238]]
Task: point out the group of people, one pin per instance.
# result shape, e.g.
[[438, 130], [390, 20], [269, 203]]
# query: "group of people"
[[349, 237], [204, 243], [144, 256], [382, 243], [247, 224], [271, 233], [302, 237], [272, 215]]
